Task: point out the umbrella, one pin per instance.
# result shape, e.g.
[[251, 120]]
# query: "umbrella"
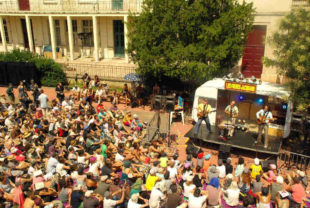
[[132, 77]]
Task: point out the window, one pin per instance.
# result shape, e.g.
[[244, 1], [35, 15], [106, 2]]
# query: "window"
[[5, 31], [88, 28], [57, 32], [119, 46]]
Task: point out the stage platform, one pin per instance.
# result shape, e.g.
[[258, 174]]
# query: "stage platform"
[[240, 140]]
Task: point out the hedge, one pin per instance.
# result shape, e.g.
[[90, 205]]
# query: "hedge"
[[50, 72]]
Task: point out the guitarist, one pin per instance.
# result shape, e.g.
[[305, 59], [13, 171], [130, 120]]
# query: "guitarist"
[[264, 117], [203, 111], [233, 112]]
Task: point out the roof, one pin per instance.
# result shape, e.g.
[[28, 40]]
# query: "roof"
[[266, 88]]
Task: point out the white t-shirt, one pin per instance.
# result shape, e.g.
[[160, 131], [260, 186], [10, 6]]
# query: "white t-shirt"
[[31, 170], [222, 171], [10, 124], [93, 168], [119, 157], [232, 198], [60, 170], [156, 196], [173, 172], [81, 159], [76, 89], [109, 203], [132, 204], [188, 189], [43, 98], [51, 165], [196, 202]]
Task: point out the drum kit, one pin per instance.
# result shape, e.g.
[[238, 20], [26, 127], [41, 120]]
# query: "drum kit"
[[239, 126]]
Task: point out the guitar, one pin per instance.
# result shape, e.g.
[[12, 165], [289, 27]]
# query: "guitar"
[[262, 120], [201, 114]]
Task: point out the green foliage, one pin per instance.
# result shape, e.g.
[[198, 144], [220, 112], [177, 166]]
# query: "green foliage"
[[50, 72], [191, 40], [291, 54]]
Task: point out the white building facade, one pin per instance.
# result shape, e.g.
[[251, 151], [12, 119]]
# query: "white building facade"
[[95, 30]]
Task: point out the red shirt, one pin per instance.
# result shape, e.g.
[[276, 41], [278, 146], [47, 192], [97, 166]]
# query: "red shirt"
[[99, 107], [298, 193]]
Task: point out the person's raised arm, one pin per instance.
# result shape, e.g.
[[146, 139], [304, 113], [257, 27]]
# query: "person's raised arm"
[[123, 196]]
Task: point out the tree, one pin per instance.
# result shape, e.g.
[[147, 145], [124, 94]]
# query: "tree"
[[292, 54], [188, 39]]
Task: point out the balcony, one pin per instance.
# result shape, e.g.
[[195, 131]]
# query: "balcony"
[[300, 3], [69, 6]]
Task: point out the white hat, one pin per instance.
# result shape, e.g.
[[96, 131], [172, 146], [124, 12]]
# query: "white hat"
[[88, 193], [189, 178], [37, 173], [2, 159], [13, 150], [135, 197], [135, 116], [104, 178], [229, 176], [301, 173], [153, 171], [7, 137], [256, 161], [280, 179], [72, 134]]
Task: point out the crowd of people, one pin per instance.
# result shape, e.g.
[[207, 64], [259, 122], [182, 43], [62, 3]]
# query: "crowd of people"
[[71, 152]]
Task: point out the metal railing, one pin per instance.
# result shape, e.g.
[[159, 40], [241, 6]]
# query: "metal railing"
[[102, 71], [71, 6], [153, 127], [289, 160], [300, 3]]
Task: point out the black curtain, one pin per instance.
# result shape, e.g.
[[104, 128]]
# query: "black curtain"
[[16, 72], [3, 73]]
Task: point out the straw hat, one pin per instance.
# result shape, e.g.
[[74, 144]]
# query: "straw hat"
[[104, 178], [11, 157], [88, 193]]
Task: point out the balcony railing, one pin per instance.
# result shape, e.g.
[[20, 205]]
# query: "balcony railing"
[[69, 6], [300, 3]]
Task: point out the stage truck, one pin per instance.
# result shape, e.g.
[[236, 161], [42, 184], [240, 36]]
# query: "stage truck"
[[250, 96]]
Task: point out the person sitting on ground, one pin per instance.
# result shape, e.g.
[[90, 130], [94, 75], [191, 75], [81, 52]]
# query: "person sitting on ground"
[[264, 198], [270, 176], [197, 199]]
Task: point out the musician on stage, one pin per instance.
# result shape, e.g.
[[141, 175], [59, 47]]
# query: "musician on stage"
[[203, 111], [264, 117], [233, 112]]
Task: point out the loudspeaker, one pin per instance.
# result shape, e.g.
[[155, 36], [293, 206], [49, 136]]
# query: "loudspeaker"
[[265, 164], [224, 152], [134, 103], [170, 105], [191, 149], [158, 102]]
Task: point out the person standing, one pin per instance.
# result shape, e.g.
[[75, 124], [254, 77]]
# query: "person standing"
[[10, 93], [35, 94], [43, 99], [20, 89], [264, 117], [60, 92], [203, 111], [233, 112]]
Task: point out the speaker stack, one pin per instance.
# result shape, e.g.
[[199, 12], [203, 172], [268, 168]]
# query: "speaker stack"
[[169, 103], [224, 152], [158, 102]]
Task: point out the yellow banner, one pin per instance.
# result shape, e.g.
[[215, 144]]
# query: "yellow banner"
[[244, 87]]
